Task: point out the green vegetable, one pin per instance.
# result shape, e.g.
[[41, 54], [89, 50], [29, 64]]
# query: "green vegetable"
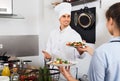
[[40, 74], [58, 59], [44, 74], [66, 62]]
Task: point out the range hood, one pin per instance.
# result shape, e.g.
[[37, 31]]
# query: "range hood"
[[6, 10], [19, 45], [6, 7]]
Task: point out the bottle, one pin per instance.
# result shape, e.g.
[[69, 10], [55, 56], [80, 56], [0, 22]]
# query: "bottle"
[[25, 65], [6, 70], [15, 75], [19, 66]]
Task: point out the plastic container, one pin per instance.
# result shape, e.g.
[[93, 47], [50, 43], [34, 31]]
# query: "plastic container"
[[4, 78]]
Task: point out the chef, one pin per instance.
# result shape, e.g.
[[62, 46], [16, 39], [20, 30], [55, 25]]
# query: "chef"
[[56, 45]]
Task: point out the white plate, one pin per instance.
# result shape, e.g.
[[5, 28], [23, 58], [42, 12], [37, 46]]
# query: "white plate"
[[54, 64], [81, 46], [63, 64]]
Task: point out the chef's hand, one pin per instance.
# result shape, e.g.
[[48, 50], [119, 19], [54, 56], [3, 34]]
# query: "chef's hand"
[[66, 73], [79, 48], [85, 49], [46, 54]]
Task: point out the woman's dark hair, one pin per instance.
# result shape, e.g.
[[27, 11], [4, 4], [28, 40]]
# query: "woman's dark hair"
[[114, 13]]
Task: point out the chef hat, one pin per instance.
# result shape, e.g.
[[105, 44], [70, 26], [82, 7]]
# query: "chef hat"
[[63, 8]]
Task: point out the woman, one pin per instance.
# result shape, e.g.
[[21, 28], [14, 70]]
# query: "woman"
[[105, 63]]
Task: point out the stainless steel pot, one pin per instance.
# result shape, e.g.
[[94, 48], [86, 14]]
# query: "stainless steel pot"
[[86, 18], [69, 0]]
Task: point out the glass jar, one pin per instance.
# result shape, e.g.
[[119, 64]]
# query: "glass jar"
[[15, 75]]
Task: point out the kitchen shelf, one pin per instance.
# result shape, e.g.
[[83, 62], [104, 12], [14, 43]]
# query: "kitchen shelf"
[[78, 2], [13, 16]]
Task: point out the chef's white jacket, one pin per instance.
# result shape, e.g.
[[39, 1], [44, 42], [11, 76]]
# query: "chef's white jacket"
[[57, 47]]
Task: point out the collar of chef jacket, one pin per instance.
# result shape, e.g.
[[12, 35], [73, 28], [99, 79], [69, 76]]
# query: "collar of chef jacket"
[[65, 29]]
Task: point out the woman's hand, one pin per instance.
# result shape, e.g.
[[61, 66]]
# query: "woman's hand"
[[66, 73], [46, 54], [85, 49]]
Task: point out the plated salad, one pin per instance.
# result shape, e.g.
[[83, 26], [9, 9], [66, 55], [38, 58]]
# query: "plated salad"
[[61, 62], [76, 44]]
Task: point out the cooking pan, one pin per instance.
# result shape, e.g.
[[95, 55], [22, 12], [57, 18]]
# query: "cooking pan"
[[4, 58], [86, 18]]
